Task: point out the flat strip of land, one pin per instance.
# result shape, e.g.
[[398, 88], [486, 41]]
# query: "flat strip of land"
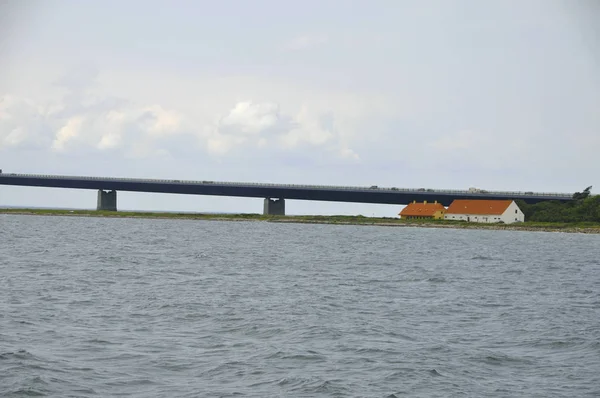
[[583, 227]]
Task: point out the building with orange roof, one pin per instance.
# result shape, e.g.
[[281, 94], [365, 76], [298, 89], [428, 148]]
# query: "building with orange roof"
[[423, 210], [484, 211]]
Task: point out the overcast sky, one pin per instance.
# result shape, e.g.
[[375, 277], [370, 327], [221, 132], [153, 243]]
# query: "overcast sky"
[[501, 95]]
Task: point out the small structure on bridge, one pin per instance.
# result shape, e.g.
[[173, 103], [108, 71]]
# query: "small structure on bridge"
[[484, 211], [414, 211]]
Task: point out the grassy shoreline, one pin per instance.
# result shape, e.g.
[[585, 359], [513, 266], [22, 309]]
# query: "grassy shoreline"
[[338, 220]]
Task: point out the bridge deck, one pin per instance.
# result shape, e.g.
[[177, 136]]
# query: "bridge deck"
[[390, 195]]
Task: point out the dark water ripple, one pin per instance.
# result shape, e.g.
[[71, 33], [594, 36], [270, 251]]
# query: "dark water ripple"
[[139, 308]]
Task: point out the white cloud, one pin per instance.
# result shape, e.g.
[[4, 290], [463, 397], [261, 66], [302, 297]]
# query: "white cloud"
[[220, 145], [109, 141], [246, 124], [348, 153], [72, 126], [22, 124], [4, 104], [15, 137], [71, 130], [248, 118], [313, 129], [158, 121], [263, 126], [103, 124]]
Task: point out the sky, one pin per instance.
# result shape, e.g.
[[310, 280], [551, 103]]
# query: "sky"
[[500, 95]]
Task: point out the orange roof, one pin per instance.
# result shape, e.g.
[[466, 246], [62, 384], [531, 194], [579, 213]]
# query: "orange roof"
[[421, 209], [474, 206]]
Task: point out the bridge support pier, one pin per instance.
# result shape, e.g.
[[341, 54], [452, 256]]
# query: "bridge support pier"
[[107, 200], [274, 207]]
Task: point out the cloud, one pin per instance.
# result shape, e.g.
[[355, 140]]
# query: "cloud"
[[158, 121], [262, 125], [68, 132], [98, 125], [23, 124], [251, 119], [83, 123], [312, 130], [348, 153], [109, 141]]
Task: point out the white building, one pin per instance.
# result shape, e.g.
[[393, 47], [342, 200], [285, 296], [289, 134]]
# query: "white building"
[[484, 211]]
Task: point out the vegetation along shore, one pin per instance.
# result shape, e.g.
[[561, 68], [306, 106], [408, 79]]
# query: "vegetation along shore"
[[557, 226]]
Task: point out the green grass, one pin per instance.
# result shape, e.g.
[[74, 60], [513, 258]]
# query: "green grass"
[[334, 219]]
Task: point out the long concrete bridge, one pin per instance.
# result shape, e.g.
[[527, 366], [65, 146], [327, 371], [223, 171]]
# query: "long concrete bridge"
[[274, 194]]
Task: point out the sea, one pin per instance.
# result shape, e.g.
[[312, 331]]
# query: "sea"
[[94, 307]]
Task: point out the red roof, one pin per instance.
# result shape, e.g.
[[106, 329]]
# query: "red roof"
[[474, 206], [421, 209]]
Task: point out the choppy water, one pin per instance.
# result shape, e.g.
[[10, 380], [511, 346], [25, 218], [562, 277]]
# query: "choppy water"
[[164, 308]]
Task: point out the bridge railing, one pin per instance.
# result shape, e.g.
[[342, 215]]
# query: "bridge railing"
[[296, 186]]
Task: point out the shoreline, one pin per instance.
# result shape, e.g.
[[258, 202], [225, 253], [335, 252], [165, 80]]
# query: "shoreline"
[[590, 228]]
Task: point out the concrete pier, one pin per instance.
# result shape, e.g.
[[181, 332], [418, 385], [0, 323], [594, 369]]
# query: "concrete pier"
[[107, 200], [274, 207]]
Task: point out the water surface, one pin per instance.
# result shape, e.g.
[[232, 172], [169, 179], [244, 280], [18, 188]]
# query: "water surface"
[[142, 308]]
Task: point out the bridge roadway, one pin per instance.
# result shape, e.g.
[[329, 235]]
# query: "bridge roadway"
[[274, 194]]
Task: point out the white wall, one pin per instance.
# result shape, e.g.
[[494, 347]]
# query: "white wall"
[[486, 218], [512, 214]]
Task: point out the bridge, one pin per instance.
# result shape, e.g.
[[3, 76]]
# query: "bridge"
[[274, 194]]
